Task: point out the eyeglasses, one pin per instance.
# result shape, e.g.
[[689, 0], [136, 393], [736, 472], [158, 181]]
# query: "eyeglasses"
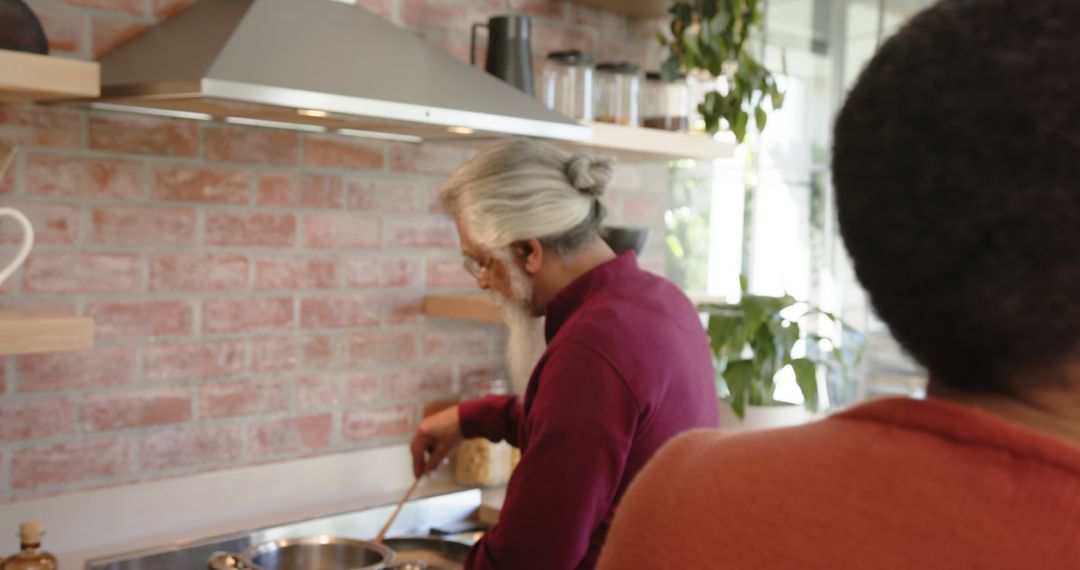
[[476, 268]]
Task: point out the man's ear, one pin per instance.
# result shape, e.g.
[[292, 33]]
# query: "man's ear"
[[530, 254]]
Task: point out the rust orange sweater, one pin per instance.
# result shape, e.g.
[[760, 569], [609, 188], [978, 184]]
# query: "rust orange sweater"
[[894, 483]]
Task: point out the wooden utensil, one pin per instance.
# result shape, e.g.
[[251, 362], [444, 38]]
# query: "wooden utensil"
[[7, 152], [382, 533]]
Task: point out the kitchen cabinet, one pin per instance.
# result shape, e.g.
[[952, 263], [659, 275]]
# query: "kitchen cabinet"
[[34, 77], [27, 331]]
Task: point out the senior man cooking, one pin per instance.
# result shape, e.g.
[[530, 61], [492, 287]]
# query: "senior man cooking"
[[627, 365]]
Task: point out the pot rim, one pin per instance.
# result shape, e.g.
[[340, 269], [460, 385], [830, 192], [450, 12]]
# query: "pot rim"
[[253, 551]]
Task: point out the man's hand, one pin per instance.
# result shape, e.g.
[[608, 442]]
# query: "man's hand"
[[436, 437]]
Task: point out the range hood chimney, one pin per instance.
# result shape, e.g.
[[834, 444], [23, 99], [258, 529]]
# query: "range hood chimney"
[[316, 65]]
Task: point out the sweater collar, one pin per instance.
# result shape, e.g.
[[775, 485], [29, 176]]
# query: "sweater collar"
[[575, 295], [970, 425]]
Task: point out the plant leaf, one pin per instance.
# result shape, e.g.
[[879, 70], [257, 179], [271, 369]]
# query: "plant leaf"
[[806, 378], [670, 68], [711, 111], [785, 335], [767, 360], [739, 377], [675, 247], [727, 332], [713, 36], [719, 24], [761, 307], [831, 316], [738, 126], [682, 12], [708, 9], [777, 99]]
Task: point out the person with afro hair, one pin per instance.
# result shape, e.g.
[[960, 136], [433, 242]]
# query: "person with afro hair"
[[956, 162]]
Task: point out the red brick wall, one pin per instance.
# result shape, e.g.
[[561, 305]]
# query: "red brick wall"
[[256, 292]]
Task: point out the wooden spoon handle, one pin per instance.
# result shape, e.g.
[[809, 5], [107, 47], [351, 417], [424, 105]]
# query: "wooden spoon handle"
[[382, 533], [7, 152]]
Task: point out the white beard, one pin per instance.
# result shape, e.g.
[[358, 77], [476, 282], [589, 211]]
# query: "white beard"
[[526, 342]]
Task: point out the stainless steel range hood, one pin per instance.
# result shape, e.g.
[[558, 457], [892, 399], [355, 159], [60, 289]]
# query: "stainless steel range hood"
[[316, 64]]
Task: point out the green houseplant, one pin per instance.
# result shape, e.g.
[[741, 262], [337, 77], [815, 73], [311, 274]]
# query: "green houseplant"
[[709, 39], [753, 341]]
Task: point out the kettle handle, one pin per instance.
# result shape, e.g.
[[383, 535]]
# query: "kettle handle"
[[472, 41]]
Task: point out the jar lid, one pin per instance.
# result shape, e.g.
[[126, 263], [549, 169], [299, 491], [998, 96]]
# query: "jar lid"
[[570, 57], [657, 76], [485, 386], [618, 67], [30, 532]]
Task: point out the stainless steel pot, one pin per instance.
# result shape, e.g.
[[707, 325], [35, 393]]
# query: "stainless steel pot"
[[427, 553], [310, 553]]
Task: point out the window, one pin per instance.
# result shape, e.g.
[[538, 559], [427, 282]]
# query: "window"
[[768, 212]]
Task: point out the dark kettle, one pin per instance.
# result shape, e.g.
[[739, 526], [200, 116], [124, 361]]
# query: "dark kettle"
[[509, 55]]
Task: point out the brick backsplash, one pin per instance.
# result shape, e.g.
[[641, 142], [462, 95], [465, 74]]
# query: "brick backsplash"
[[256, 292]]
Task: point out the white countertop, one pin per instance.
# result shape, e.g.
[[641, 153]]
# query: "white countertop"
[[93, 524]]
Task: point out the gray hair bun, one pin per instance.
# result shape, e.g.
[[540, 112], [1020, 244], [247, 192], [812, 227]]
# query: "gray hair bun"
[[590, 175]]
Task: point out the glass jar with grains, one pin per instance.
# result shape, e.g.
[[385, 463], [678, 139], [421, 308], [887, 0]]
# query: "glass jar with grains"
[[479, 462], [616, 89]]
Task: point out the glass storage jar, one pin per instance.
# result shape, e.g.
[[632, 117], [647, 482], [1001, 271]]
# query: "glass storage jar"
[[477, 461], [566, 84], [31, 557], [617, 87], [665, 104]]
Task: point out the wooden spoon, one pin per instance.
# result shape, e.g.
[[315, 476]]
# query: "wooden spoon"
[[7, 152], [382, 533]]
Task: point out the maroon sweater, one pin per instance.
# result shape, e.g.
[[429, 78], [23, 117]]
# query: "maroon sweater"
[[627, 368]]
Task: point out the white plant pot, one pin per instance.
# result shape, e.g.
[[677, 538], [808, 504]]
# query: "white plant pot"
[[763, 417]]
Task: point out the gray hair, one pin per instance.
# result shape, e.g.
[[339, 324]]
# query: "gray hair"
[[523, 189]]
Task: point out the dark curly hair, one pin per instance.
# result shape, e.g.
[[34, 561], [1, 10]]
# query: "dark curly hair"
[[956, 162]]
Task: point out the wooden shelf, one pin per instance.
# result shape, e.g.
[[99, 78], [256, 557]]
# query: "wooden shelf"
[[632, 8], [638, 144], [476, 308], [28, 331], [34, 77], [481, 309], [628, 144]]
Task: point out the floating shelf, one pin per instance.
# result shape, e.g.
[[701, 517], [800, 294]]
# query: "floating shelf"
[[637, 144], [481, 309], [628, 144], [476, 308], [34, 77], [28, 331], [632, 8]]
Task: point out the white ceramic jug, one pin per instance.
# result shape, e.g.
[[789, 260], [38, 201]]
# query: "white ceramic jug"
[[27, 242]]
